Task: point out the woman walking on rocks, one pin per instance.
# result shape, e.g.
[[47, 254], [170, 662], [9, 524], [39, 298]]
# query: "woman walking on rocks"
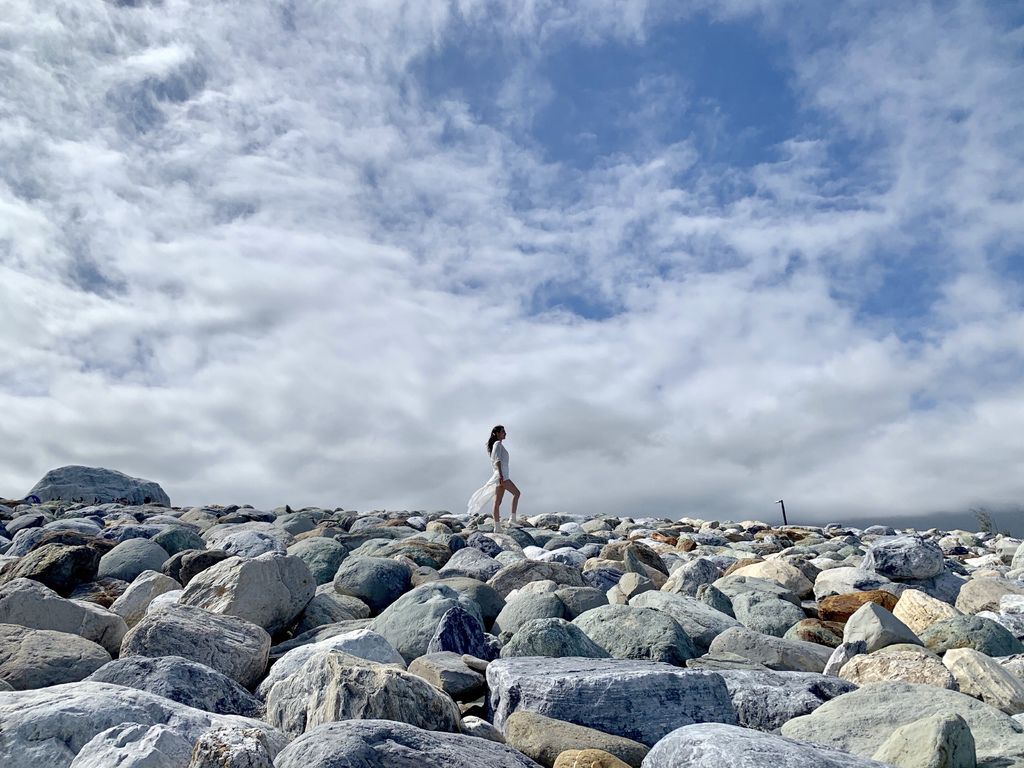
[[498, 483]]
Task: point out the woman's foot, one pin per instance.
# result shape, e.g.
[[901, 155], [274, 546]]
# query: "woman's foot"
[[497, 526]]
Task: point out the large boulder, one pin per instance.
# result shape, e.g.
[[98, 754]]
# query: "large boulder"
[[377, 581], [32, 604], [766, 613], [37, 658], [877, 628], [638, 700], [521, 573], [333, 685], [232, 748], [544, 739], [701, 622], [632, 632], [842, 607], [919, 610], [527, 607], [975, 632], [361, 643], [269, 590], [131, 745], [233, 646], [904, 557], [470, 562], [983, 594], [411, 621], [906, 664], [782, 573], [861, 721], [985, 678], [939, 741], [61, 567], [773, 652], [713, 745], [388, 744], [459, 631], [552, 637], [321, 555], [47, 728], [130, 558], [135, 600], [450, 673], [764, 700], [839, 581], [182, 680], [96, 485]]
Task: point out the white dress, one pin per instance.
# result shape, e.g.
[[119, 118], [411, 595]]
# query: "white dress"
[[483, 499]]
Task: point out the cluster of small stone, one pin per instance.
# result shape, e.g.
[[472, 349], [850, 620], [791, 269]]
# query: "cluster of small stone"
[[149, 636]]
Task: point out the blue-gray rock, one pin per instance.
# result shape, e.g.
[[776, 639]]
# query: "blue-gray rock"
[[977, 632], [639, 700], [904, 557], [579, 600], [632, 632], [184, 566], [736, 584], [387, 744], [130, 558], [323, 556], [766, 613], [773, 652], [96, 485], [603, 578], [523, 572], [459, 631], [481, 593], [377, 581], [711, 745], [411, 621], [485, 544], [181, 680], [765, 700], [38, 658], [552, 637]]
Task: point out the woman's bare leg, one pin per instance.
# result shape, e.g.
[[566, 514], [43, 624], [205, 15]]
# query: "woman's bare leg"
[[499, 493], [509, 486]]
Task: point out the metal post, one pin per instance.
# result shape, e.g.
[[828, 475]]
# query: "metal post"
[[784, 520]]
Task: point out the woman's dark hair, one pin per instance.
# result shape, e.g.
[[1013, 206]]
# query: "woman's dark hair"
[[493, 438]]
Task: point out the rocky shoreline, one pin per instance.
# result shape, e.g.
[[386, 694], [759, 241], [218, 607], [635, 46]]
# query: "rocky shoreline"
[[146, 635]]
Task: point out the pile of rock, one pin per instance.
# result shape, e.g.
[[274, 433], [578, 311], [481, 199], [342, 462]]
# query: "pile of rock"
[[140, 634]]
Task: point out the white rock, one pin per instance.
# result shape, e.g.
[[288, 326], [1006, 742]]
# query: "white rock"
[[135, 746], [134, 601], [877, 628], [984, 678], [919, 611], [166, 600], [780, 572], [938, 741], [34, 605]]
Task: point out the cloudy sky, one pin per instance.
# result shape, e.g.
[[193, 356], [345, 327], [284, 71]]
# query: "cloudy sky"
[[696, 256]]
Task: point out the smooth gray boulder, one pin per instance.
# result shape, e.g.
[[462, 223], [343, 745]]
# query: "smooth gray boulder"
[[411, 621], [632, 632], [527, 607], [333, 685], [774, 652], [552, 637], [270, 590], [358, 642], [521, 573], [130, 558], [904, 557], [37, 658], [471, 563], [713, 745], [448, 672], [937, 741], [47, 728], [323, 556], [764, 700], [975, 632], [840, 581], [736, 584], [178, 538], [638, 700], [766, 613], [96, 485], [701, 622], [877, 628], [182, 680], [34, 605], [326, 607], [579, 600], [387, 744], [861, 721], [687, 578], [377, 581], [233, 646], [135, 600]]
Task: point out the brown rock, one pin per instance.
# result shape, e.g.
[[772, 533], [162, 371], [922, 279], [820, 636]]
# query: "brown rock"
[[588, 758], [617, 551], [740, 564], [101, 592], [543, 739], [827, 633], [664, 539], [841, 607], [686, 545]]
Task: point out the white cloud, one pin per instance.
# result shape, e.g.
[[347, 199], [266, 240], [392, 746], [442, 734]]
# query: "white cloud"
[[244, 254]]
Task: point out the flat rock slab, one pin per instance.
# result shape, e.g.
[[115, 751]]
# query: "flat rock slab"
[[638, 700], [387, 744], [47, 728], [861, 721], [712, 745], [773, 652]]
